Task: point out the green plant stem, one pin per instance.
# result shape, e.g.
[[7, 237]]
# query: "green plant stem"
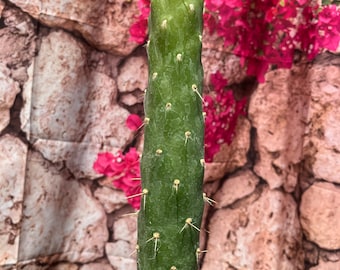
[[173, 157]]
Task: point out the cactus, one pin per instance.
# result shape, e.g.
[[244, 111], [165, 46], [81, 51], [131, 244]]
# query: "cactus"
[[172, 164]]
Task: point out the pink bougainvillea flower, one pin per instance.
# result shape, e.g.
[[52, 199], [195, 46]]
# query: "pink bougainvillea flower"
[[221, 114], [328, 28], [103, 163], [139, 29], [218, 82], [134, 122], [257, 68], [124, 169]]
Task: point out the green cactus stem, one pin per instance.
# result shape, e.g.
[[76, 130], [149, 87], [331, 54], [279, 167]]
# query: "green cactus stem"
[[173, 157]]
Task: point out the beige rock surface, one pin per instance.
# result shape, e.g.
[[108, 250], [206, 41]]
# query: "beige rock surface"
[[133, 74], [105, 25], [125, 229], [17, 39], [326, 266], [235, 188], [2, 6], [77, 157], [278, 111], [110, 198], [320, 215], [230, 157], [122, 251], [61, 219], [97, 266], [216, 58], [324, 116], [119, 262], [12, 176], [260, 234], [8, 91], [70, 110], [25, 112], [69, 101], [60, 266]]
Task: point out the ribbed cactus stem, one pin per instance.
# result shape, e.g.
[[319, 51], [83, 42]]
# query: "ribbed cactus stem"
[[173, 157]]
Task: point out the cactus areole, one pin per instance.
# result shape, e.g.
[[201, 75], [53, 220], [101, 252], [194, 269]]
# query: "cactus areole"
[[173, 158]]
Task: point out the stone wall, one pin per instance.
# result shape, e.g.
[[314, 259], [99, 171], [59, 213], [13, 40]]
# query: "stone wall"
[[69, 77]]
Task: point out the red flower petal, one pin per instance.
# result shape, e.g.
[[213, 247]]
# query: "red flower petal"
[[134, 122]]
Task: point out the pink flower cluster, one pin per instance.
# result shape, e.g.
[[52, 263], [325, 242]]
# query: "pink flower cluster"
[[263, 32], [221, 114], [124, 170], [139, 29], [267, 32], [315, 35]]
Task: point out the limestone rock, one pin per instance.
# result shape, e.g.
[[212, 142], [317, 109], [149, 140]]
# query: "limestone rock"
[[110, 199], [2, 6], [69, 100], [133, 74], [8, 91], [64, 266], [120, 251], [105, 63], [31, 266], [25, 113], [230, 157], [12, 175], [71, 112], [278, 111], [97, 266], [236, 187], [78, 157], [324, 116], [60, 266], [125, 228], [62, 222], [262, 234], [17, 39], [104, 25], [215, 58], [131, 99], [326, 266], [311, 252], [320, 214], [119, 262], [329, 255]]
